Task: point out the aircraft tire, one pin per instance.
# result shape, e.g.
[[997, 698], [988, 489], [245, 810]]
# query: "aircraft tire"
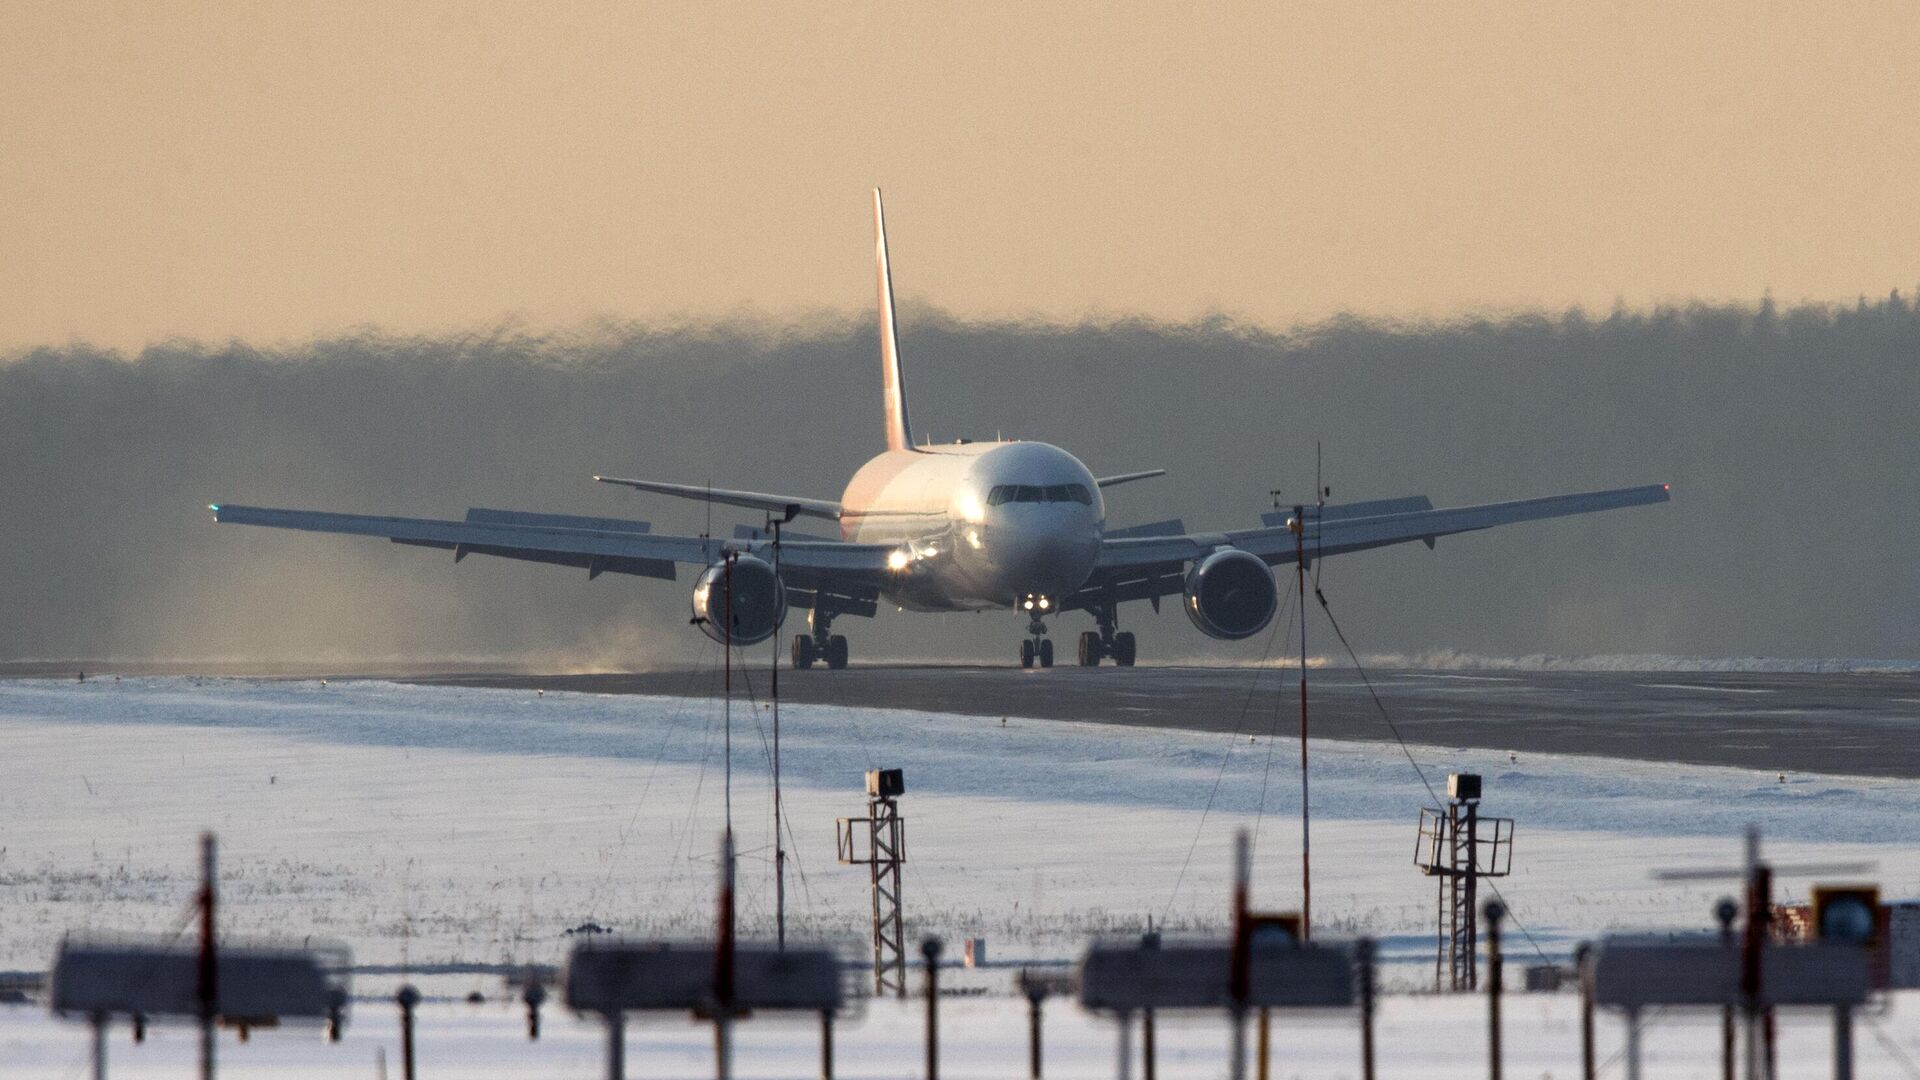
[[837, 652], [1026, 654], [1089, 649], [803, 652], [1046, 652], [1123, 649]]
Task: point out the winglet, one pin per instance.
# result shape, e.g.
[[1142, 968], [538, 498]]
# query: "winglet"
[[894, 390]]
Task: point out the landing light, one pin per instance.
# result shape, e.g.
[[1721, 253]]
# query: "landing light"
[[897, 560], [1045, 603]]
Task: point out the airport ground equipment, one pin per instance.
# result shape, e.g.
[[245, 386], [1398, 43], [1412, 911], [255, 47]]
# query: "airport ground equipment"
[[612, 978], [1757, 996], [1036, 987], [1266, 964], [242, 986], [143, 981], [883, 851], [1632, 973], [1458, 846]]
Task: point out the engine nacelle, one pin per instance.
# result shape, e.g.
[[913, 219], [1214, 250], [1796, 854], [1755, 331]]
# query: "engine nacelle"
[[1231, 595], [759, 601]]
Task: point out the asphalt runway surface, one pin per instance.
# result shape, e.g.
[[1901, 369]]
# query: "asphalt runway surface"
[[1855, 724]]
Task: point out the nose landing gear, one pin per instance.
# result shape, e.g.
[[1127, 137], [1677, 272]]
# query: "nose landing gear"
[[1037, 648], [1095, 644]]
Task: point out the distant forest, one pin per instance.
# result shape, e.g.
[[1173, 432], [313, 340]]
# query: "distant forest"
[[1791, 436]]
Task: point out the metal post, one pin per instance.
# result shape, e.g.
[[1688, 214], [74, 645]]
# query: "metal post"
[[779, 850], [1306, 847], [1363, 953], [616, 1046], [1842, 1043], [1034, 997], [209, 972], [1238, 975], [723, 967], [407, 998], [1148, 1052], [1583, 959], [1124, 1070], [1496, 911], [534, 995], [1633, 1044], [930, 949], [1726, 911], [826, 1044], [1264, 1039], [99, 1046]]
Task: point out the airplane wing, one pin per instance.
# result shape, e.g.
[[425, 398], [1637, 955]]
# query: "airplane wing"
[[790, 505], [1149, 567], [1128, 478], [598, 545]]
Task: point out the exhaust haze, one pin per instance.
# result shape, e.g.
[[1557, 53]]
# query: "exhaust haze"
[[1790, 438]]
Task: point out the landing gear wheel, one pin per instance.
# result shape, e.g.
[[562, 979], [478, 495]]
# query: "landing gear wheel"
[[1046, 652], [804, 654], [1090, 649], [1123, 649], [1026, 654], [837, 652]]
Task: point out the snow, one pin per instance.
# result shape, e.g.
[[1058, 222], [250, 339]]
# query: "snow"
[[437, 825]]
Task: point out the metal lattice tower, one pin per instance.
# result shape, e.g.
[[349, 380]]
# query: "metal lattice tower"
[[1459, 847], [884, 853]]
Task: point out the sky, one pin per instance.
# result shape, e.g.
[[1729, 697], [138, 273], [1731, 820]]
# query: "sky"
[[277, 172]]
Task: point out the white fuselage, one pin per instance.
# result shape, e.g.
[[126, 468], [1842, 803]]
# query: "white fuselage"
[[980, 525]]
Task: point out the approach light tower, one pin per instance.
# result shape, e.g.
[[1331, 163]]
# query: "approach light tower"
[[885, 852], [1460, 847]]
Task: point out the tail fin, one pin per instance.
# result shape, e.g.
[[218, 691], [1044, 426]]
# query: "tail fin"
[[894, 389]]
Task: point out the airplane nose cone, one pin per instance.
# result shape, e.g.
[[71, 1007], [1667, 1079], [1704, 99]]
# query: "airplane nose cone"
[[1040, 560]]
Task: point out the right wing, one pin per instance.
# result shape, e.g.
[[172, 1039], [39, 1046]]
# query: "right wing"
[[598, 545], [789, 505]]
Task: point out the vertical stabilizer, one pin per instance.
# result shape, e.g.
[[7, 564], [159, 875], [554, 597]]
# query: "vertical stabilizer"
[[899, 434]]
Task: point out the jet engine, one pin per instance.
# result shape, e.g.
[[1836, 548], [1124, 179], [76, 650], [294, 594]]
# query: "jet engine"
[[758, 601], [1231, 595]]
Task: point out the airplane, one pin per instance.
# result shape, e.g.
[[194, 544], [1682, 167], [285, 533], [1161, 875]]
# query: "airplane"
[[961, 526]]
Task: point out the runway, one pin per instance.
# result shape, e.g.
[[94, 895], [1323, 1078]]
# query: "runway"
[[1851, 724]]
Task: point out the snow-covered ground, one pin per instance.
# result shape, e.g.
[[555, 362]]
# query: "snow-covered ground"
[[437, 825]]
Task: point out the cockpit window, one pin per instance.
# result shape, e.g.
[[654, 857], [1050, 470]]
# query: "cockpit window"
[[1006, 493]]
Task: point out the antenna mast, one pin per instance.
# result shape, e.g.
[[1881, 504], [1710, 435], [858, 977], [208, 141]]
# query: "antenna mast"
[[779, 850], [1306, 846]]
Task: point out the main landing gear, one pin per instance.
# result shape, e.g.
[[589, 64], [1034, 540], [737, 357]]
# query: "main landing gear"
[[1036, 647], [1095, 644], [819, 645]]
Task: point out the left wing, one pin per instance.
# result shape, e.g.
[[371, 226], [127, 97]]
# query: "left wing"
[[1128, 478], [1149, 567]]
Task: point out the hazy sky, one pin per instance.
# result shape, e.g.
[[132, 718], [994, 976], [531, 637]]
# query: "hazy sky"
[[271, 172]]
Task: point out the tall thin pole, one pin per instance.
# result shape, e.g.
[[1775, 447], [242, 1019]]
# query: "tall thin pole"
[[779, 850], [727, 708], [209, 966], [1306, 846], [723, 974]]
